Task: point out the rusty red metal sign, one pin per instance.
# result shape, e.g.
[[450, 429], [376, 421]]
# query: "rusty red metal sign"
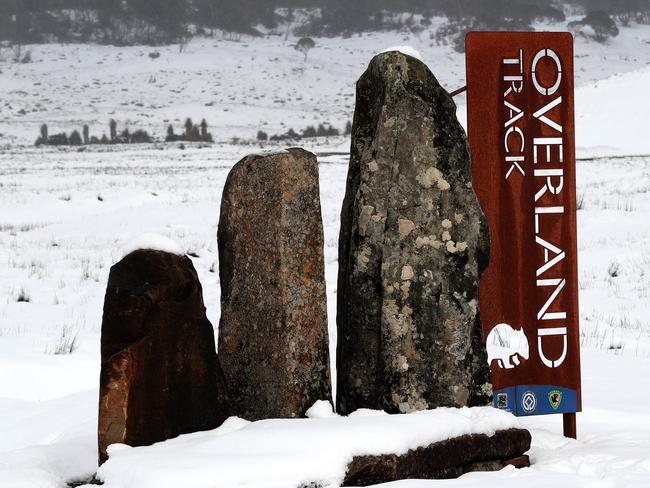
[[521, 133]]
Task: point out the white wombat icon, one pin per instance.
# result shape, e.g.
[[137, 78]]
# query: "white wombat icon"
[[506, 345]]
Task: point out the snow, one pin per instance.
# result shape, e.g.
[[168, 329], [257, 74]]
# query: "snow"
[[289, 452], [66, 216], [241, 87], [154, 242], [367, 412], [44, 443], [408, 50], [321, 409], [611, 115], [268, 152]]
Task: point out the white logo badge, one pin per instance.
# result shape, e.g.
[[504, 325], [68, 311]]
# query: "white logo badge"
[[507, 346]]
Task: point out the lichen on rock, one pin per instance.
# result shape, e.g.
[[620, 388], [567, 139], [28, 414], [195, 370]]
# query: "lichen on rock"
[[409, 334], [273, 340]]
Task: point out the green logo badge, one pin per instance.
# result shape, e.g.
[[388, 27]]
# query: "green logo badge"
[[555, 398]]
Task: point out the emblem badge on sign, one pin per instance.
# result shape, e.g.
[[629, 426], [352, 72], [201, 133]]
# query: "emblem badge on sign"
[[555, 398], [529, 401], [502, 400]]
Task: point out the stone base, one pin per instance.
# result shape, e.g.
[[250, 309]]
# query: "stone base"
[[443, 460]]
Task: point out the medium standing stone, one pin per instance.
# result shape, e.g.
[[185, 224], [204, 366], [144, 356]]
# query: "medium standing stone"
[[273, 330], [160, 376], [412, 245]]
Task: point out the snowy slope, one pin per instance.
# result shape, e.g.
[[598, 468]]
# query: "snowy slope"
[[239, 87], [611, 115]]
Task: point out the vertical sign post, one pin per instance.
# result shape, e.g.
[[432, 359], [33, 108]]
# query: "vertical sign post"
[[521, 133]]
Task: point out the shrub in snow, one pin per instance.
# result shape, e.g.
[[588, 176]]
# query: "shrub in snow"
[[140, 136], [289, 135], [113, 129], [62, 139], [43, 137], [309, 131], [58, 139], [614, 269], [124, 137], [597, 25], [75, 138], [192, 132], [23, 295], [328, 131], [170, 134], [66, 342], [262, 136], [304, 45], [194, 135]]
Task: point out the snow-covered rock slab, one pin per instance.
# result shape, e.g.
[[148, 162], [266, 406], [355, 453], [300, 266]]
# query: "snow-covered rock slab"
[[446, 459], [290, 452]]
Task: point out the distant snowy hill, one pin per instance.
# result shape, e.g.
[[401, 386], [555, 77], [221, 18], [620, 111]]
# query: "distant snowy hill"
[[250, 85]]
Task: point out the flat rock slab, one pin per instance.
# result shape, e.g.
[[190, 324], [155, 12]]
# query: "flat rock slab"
[[362, 448], [160, 376], [273, 340], [412, 246], [443, 460]]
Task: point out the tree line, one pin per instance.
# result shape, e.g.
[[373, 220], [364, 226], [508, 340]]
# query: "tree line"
[[165, 21]]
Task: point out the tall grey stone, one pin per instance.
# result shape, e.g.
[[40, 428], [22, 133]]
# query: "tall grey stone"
[[273, 341], [413, 243]]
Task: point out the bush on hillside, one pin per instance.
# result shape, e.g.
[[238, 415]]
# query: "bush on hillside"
[[597, 25]]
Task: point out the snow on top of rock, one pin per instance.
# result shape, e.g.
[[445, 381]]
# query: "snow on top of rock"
[[321, 409], [154, 242], [269, 152], [367, 412], [408, 50], [289, 452]]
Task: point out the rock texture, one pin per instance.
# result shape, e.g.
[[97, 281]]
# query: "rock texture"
[[160, 376], [443, 460], [273, 331], [412, 245]]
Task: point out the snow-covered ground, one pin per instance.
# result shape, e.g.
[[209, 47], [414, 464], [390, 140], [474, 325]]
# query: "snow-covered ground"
[[66, 216], [289, 452]]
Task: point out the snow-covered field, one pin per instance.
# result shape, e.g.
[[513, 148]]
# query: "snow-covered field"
[[242, 87], [66, 216]]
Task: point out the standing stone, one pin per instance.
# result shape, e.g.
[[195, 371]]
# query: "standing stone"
[[412, 245], [273, 330], [160, 376]]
